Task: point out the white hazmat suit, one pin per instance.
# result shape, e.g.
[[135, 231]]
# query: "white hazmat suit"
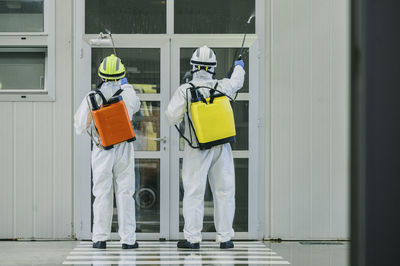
[[114, 168], [216, 163]]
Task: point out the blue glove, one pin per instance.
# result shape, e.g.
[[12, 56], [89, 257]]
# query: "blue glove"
[[124, 81], [239, 63]]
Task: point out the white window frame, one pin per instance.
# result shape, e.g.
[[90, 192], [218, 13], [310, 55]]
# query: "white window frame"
[[25, 41]]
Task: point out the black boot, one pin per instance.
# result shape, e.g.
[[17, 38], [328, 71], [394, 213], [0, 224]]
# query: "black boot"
[[100, 244], [187, 244], [127, 246], [226, 245]]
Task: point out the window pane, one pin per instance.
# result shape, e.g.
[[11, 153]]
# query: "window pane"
[[241, 114], [21, 16], [22, 70], [240, 222], [146, 124], [125, 16], [142, 67], [210, 16], [225, 59], [147, 197]]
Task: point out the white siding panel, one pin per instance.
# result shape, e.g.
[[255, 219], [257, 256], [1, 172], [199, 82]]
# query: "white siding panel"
[[320, 125], [301, 120], [7, 170], [43, 159], [340, 118], [280, 119], [23, 170], [36, 153], [62, 144], [309, 119]]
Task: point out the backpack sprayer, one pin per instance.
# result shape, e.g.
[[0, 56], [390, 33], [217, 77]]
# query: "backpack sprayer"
[[112, 123], [211, 118], [111, 119]]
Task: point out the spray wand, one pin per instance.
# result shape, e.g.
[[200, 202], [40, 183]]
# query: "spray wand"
[[241, 49]]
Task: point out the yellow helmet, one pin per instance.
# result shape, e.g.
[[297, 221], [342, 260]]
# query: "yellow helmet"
[[111, 68]]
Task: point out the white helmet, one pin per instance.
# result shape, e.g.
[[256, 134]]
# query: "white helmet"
[[203, 59]]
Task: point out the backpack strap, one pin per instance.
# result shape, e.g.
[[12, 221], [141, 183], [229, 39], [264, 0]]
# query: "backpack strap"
[[212, 92], [194, 92], [102, 96], [118, 92], [98, 91]]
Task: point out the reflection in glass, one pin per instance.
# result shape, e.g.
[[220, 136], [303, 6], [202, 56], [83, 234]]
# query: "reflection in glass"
[[21, 16], [241, 114], [210, 16], [146, 124], [125, 16], [240, 223], [147, 197], [22, 70], [142, 67]]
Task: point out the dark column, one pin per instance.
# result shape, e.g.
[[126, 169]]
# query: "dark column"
[[375, 136]]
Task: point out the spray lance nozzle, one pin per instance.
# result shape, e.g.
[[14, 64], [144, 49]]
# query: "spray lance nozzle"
[[250, 18], [240, 57], [244, 38], [112, 40], [104, 39]]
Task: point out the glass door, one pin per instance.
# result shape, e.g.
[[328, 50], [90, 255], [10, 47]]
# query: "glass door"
[[155, 45], [143, 71], [147, 70], [138, 31]]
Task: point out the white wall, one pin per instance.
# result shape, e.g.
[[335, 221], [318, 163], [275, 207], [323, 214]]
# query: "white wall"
[[306, 139], [36, 153], [308, 107]]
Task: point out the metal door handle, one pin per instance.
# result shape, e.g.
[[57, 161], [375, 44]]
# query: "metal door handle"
[[163, 139]]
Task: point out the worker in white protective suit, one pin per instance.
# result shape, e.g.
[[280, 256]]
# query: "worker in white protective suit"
[[216, 163], [113, 169]]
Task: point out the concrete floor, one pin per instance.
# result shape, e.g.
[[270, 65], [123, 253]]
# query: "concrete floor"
[[153, 253]]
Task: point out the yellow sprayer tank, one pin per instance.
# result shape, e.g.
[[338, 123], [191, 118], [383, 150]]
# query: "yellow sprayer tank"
[[213, 123]]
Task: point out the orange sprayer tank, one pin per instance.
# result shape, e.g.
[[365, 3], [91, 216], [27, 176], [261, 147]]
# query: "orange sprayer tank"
[[113, 123]]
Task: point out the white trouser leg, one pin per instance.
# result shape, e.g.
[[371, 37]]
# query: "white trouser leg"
[[124, 172], [222, 182], [102, 162], [194, 176]]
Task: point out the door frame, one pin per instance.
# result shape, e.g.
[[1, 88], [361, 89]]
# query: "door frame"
[[258, 224]]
